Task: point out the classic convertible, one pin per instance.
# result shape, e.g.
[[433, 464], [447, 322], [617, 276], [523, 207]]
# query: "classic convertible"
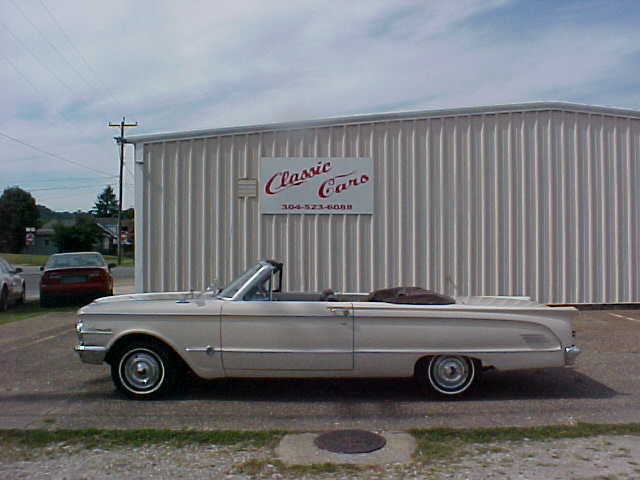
[[254, 329]]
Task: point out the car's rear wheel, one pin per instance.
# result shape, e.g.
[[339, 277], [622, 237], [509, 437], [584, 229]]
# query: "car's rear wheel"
[[4, 300], [447, 375], [144, 370]]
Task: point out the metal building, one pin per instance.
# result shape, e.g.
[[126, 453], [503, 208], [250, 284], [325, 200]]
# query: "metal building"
[[537, 199]]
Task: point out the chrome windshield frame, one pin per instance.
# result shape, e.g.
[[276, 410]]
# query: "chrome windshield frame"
[[248, 285]]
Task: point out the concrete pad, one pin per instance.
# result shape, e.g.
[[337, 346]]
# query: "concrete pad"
[[299, 449]]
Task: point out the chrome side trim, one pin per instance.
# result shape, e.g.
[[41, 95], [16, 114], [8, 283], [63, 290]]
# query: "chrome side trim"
[[468, 350], [91, 353], [209, 350], [96, 331], [571, 353], [284, 350], [425, 351]]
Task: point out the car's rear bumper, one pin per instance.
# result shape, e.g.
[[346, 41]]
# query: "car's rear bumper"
[[94, 290], [91, 353]]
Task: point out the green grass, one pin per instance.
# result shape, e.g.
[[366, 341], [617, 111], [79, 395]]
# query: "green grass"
[[441, 443], [31, 309], [436, 447], [37, 260], [24, 258], [92, 438], [126, 261]]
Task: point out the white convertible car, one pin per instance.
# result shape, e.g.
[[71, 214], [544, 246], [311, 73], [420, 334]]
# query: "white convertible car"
[[254, 329]]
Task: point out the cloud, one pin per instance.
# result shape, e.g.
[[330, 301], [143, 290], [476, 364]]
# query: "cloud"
[[188, 65]]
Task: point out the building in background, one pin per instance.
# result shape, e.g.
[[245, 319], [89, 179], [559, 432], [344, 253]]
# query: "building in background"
[[537, 199]]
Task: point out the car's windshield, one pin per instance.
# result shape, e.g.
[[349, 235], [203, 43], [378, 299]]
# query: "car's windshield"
[[78, 260], [234, 286]]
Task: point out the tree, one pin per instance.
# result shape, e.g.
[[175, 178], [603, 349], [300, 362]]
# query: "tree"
[[79, 237], [17, 211], [128, 213], [106, 204]]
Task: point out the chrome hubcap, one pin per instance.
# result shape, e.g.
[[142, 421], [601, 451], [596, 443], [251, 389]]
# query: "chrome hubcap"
[[142, 370], [450, 374]]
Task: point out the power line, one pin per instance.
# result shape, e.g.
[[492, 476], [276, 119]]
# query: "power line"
[[33, 86], [78, 164], [65, 187], [55, 180], [79, 54], [42, 64], [37, 29]]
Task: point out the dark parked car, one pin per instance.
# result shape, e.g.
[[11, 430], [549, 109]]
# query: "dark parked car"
[[75, 276], [12, 287]]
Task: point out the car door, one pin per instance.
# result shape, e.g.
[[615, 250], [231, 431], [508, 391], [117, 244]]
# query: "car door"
[[286, 336]]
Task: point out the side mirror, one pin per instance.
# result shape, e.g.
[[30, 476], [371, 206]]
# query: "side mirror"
[[111, 265], [18, 270], [42, 268]]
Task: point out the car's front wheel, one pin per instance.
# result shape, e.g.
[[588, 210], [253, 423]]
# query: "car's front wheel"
[[144, 370], [447, 375]]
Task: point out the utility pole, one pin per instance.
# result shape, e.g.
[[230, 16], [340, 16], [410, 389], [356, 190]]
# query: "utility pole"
[[121, 141]]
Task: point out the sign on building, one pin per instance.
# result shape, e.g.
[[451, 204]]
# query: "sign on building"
[[316, 185]]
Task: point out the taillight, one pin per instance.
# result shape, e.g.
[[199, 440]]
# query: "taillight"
[[98, 275]]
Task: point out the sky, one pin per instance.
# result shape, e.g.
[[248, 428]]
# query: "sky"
[[68, 68]]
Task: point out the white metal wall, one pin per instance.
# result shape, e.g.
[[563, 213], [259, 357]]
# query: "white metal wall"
[[538, 203]]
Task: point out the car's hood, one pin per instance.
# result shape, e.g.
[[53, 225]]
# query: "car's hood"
[[147, 297], [163, 302]]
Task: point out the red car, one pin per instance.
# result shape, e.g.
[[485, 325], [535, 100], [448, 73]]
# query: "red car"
[[75, 276]]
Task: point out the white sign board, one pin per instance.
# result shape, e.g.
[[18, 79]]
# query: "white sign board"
[[316, 185]]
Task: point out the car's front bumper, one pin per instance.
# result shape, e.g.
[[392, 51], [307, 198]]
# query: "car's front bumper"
[[570, 354], [91, 353]]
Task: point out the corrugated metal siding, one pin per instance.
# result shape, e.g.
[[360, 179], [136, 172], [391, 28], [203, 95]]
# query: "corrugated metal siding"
[[531, 203]]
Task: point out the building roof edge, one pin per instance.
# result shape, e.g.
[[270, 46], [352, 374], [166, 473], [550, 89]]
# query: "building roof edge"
[[386, 117]]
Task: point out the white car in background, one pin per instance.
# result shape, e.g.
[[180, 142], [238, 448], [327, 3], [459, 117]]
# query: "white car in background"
[[12, 286]]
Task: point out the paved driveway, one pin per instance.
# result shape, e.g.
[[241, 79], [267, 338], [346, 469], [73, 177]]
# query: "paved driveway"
[[43, 384]]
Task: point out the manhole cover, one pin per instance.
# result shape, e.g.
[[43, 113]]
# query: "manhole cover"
[[350, 441]]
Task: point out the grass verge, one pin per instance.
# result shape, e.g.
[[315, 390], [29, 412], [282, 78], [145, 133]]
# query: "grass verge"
[[31, 309], [441, 443], [93, 438], [24, 258], [432, 442]]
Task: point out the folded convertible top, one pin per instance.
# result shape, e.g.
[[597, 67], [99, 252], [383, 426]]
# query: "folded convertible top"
[[410, 295]]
